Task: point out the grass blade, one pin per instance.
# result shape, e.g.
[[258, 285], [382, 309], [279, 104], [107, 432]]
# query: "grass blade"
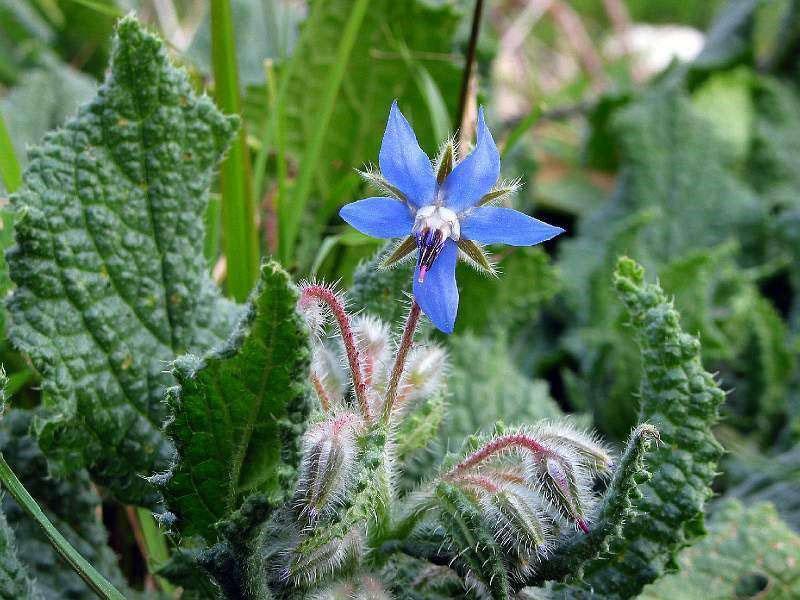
[[239, 232], [289, 214], [9, 167], [99, 584]]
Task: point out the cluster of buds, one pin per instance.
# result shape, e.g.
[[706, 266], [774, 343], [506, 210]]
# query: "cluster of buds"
[[364, 381], [531, 486], [383, 375]]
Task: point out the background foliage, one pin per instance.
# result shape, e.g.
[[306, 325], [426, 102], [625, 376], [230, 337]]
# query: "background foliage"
[[685, 160]]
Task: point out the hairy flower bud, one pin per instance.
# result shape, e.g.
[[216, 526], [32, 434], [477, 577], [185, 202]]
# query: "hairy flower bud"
[[326, 469], [423, 374], [588, 451], [372, 341], [565, 487], [310, 564], [362, 588], [518, 522]]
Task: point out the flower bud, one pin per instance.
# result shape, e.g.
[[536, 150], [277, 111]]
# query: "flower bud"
[[565, 487], [327, 372], [587, 450], [519, 524], [372, 341], [327, 466], [314, 559], [423, 372]]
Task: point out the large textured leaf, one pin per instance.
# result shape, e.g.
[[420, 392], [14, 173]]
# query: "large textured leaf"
[[510, 301], [748, 553], [238, 414], [71, 505], [681, 400], [484, 386], [109, 263]]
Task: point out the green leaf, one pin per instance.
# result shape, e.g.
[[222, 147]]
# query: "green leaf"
[[71, 504], [510, 301], [377, 290], [748, 552], [774, 165], [15, 583], [670, 158], [681, 400], [758, 478], [724, 100], [484, 386], [111, 280], [238, 413]]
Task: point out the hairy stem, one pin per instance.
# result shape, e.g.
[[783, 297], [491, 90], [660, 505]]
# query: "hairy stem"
[[400, 362], [324, 398], [99, 584], [519, 440], [348, 338]]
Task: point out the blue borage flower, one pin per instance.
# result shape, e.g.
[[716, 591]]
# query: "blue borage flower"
[[442, 211]]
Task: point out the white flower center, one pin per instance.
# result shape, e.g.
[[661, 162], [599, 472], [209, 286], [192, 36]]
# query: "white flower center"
[[432, 226], [439, 218]]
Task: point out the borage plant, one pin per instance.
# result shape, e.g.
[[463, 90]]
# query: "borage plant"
[[274, 462]]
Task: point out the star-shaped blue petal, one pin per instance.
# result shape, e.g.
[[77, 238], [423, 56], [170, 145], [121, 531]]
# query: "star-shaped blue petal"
[[440, 217]]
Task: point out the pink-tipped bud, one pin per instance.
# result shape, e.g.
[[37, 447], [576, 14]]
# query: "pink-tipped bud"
[[326, 469], [565, 487]]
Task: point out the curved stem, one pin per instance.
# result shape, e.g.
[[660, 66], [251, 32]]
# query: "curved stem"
[[99, 584], [400, 362], [519, 440], [343, 320]]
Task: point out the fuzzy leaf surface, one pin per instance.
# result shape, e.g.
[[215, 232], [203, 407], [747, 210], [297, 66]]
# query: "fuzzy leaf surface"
[[681, 400], [749, 552], [14, 580], [238, 413], [111, 280]]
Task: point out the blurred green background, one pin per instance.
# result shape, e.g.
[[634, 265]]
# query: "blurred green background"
[[668, 131]]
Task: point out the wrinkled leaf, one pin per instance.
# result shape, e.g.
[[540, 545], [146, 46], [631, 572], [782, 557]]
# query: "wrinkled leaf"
[[109, 265]]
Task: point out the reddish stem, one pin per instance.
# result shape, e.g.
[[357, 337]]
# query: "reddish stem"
[[324, 398], [343, 320], [406, 342], [480, 481], [499, 444]]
